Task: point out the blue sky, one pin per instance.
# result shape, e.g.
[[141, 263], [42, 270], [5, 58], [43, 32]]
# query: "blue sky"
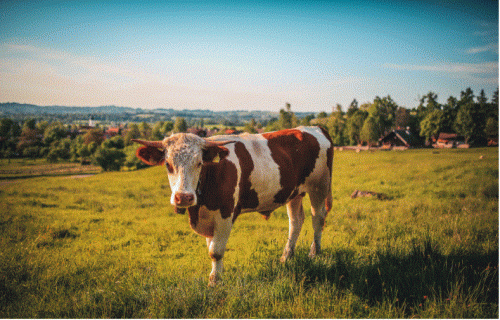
[[227, 55]]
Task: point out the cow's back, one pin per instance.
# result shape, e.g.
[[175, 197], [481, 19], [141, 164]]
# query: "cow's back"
[[276, 166]]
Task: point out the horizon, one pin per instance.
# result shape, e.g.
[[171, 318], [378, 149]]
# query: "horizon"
[[226, 56]]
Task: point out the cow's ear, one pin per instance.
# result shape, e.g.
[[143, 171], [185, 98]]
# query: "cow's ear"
[[214, 153], [150, 155]]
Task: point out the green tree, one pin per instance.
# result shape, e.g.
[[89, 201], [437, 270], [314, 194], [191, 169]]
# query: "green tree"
[[251, 126], [370, 133], [337, 126], [109, 159], [432, 124], [54, 132], [95, 135], [180, 125], [467, 120], [306, 121], [30, 140], [383, 112], [322, 115], [353, 108], [131, 160], [428, 103], [491, 128], [287, 118], [59, 150], [354, 125], [9, 136]]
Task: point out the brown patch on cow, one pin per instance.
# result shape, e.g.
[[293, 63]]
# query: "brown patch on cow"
[[216, 187], [266, 214], [296, 153], [211, 152], [215, 256], [248, 198]]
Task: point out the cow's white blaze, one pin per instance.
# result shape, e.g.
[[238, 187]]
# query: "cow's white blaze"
[[185, 159]]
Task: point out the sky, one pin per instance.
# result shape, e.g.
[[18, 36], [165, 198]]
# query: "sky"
[[237, 55]]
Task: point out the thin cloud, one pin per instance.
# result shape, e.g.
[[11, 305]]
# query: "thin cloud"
[[492, 47], [483, 68]]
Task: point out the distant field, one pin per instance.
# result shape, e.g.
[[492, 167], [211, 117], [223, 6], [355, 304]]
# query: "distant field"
[[110, 245], [27, 168]]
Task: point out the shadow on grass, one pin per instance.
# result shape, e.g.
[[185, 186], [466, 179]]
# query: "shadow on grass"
[[406, 278]]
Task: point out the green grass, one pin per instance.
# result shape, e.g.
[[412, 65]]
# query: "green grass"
[[110, 245], [29, 168]]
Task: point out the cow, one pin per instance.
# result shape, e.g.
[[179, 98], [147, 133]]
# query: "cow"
[[218, 178]]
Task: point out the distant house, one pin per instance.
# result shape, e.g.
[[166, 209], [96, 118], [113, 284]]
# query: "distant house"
[[399, 139], [111, 132], [450, 140]]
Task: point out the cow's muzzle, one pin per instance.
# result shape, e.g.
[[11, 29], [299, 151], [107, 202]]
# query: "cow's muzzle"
[[184, 200]]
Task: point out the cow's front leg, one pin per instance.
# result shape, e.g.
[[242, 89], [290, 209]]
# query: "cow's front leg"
[[216, 248]]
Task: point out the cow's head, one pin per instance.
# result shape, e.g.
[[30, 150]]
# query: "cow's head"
[[184, 155]]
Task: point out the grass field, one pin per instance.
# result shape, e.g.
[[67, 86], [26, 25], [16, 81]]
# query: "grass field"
[[110, 245]]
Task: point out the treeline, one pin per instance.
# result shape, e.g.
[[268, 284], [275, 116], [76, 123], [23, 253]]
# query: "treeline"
[[56, 141], [473, 117]]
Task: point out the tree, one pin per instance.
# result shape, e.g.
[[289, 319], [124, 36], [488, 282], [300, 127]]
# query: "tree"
[[322, 115], [133, 132], [383, 112], [370, 132], [29, 144], [428, 103], [59, 149], [287, 118], [468, 120], [54, 132], [95, 135], [450, 110], [250, 126], [353, 107], [109, 159], [491, 128], [337, 126], [354, 125], [9, 135], [402, 118], [432, 124], [464, 123], [131, 160], [180, 125]]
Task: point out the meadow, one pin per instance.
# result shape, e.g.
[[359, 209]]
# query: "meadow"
[[111, 246]]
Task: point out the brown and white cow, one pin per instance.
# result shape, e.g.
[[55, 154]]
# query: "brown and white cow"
[[218, 178]]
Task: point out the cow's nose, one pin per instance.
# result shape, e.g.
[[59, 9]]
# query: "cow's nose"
[[184, 199]]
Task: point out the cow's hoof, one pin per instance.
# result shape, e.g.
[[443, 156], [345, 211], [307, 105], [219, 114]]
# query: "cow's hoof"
[[213, 281], [315, 250]]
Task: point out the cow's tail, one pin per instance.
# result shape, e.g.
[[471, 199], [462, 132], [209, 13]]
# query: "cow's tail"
[[329, 164]]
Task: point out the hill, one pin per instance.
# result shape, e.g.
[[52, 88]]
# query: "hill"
[[21, 111]]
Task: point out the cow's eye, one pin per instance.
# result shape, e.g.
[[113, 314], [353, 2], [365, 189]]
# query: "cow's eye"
[[170, 168]]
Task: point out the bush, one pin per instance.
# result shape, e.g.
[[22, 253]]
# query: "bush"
[[110, 159]]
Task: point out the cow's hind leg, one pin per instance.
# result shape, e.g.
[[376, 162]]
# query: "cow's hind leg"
[[295, 220], [321, 203]]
